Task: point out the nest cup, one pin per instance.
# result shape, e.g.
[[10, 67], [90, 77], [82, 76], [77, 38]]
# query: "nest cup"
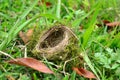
[[56, 43]]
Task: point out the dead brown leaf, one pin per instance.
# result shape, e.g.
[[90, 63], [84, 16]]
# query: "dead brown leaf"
[[113, 24], [83, 72], [105, 22], [32, 63], [26, 36], [23, 36], [48, 4], [29, 33]]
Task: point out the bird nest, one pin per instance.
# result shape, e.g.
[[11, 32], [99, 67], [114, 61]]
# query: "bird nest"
[[56, 43]]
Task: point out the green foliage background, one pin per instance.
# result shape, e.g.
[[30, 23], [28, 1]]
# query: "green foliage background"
[[100, 48]]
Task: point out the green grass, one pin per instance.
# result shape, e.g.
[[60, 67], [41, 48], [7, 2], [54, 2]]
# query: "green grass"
[[99, 47]]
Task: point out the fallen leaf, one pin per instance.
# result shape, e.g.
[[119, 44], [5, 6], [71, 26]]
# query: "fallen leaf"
[[105, 22], [29, 33], [23, 36], [83, 72], [26, 36], [48, 4], [113, 24], [32, 63]]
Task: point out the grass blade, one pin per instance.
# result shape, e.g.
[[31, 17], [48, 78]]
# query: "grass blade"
[[90, 65], [5, 16], [78, 21], [11, 34], [73, 75], [90, 28], [58, 9], [115, 41], [9, 38], [20, 20], [87, 60], [66, 77]]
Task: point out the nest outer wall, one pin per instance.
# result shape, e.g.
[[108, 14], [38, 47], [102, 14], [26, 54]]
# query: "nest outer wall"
[[58, 43]]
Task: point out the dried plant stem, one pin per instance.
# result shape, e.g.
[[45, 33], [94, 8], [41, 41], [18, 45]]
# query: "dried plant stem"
[[1, 52], [67, 62], [3, 68], [23, 47]]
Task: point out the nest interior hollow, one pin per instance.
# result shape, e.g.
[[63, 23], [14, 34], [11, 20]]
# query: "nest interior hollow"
[[53, 39]]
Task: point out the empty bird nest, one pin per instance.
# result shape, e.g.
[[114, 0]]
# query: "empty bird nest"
[[58, 42]]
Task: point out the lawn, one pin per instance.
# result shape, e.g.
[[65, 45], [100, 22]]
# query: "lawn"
[[94, 23]]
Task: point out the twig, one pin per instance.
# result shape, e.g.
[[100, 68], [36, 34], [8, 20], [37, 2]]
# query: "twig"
[[25, 50], [1, 52], [67, 62], [25, 54]]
